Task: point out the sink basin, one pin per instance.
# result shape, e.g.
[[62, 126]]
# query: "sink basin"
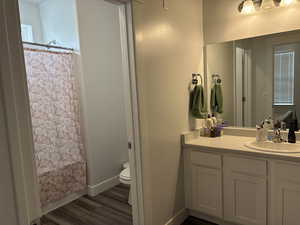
[[268, 146]]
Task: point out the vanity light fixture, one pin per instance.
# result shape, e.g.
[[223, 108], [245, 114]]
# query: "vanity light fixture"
[[247, 7], [267, 4], [250, 6]]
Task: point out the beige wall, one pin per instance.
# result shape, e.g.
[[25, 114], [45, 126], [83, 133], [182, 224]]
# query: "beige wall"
[[223, 22], [103, 91], [168, 50], [8, 211], [219, 60]]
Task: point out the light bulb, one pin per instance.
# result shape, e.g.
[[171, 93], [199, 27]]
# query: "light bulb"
[[248, 7], [267, 4], [286, 2]]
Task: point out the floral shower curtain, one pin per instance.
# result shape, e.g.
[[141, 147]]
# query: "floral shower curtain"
[[55, 110]]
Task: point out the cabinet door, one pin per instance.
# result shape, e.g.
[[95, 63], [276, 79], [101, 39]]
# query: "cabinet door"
[[245, 191], [288, 204], [285, 198], [206, 190], [245, 199]]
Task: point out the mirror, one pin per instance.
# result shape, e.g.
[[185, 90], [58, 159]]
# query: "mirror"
[[259, 77]]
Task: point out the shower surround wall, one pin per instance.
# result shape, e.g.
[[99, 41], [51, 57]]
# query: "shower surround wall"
[[51, 20], [54, 101]]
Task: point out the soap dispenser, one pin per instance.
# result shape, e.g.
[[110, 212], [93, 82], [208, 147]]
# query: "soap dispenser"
[[292, 135], [293, 128]]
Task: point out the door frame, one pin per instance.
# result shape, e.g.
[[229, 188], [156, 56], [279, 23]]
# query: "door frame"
[[17, 110], [242, 87], [238, 86], [17, 114], [132, 112], [247, 85]]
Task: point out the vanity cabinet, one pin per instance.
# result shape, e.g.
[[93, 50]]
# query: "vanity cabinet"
[[245, 191], [205, 183], [232, 189], [285, 193], [229, 188]]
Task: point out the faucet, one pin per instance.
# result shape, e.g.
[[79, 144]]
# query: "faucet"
[[277, 137], [289, 120]]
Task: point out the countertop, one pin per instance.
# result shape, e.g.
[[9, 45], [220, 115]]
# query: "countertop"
[[234, 145]]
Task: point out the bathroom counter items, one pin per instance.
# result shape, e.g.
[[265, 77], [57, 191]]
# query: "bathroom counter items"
[[232, 144]]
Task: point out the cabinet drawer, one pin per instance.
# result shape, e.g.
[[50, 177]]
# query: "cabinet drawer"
[[246, 166], [206, 159], [287, 171]]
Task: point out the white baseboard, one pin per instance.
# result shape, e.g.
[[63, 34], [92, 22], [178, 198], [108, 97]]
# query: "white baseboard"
[[94, 190], [178, 218], [65, 201]]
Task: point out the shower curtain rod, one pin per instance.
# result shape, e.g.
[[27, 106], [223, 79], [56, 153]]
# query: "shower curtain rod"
[[47, 46]]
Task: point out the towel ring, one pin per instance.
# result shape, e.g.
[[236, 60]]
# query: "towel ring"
[[216, 78], [195, 78]]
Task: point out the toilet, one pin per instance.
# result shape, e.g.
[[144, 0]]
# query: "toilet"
[[126, 179]]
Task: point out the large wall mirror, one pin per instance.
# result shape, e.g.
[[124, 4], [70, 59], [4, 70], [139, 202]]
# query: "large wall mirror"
[[260, 77]]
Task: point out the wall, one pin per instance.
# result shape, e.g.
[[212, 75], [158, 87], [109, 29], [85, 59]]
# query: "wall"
[[8, 209], [219, 60], [223, 22], [102, 88], [58, 18], [30, 15], [168, 50]]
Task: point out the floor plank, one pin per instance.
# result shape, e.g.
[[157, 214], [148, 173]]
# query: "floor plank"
[[195, 221], [108, 208]]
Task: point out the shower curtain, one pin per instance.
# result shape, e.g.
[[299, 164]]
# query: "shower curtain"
[[55, 110]]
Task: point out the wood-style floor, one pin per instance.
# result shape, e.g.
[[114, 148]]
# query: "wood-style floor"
[[195, 221], [108, 208]]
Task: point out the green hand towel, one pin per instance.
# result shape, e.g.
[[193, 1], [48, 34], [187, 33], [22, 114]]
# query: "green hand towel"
[[198, 103], [216, 101]]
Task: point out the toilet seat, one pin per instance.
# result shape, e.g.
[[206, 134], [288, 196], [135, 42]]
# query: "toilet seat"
[[125, 175], [126, 179]]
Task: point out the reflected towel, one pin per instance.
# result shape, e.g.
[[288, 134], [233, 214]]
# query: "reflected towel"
[[198, 103], [216, 101]]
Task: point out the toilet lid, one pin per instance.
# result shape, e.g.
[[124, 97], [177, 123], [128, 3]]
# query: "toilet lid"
[[125, 174]]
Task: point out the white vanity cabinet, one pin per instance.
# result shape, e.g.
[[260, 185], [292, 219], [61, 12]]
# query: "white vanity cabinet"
[[285, 193], [237, 189], [245, 190], [232, 189], [204, 183]]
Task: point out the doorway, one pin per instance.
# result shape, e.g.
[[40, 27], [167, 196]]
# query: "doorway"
[[243, 87], [131, 113]]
